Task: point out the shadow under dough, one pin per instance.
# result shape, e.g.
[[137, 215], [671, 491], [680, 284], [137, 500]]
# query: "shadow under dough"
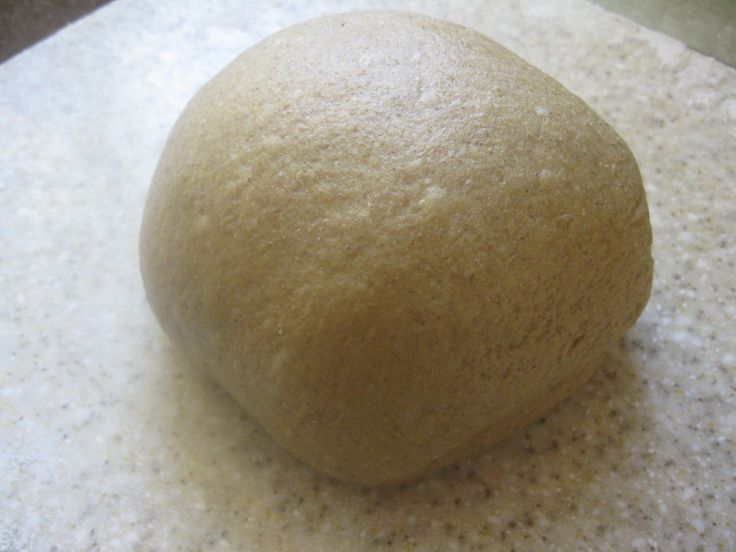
[[539, 476]]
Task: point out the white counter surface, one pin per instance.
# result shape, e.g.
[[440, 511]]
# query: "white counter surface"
[[110, 441]]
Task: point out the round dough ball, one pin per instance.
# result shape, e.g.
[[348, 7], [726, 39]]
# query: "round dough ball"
[[393, 241]]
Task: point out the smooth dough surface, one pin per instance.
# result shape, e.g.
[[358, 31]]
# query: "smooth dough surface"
[[393, 241]]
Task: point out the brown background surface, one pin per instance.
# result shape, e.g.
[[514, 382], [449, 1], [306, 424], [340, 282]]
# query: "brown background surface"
[[24, 22]]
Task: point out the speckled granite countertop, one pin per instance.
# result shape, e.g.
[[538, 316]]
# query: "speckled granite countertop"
[[110, 441]]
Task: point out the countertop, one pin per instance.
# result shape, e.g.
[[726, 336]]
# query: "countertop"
[[109, 440]]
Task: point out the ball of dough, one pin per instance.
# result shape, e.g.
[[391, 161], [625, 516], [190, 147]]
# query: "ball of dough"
[[393, 241]]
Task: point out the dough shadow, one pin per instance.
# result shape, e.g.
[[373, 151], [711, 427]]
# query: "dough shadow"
[[537, 478]]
